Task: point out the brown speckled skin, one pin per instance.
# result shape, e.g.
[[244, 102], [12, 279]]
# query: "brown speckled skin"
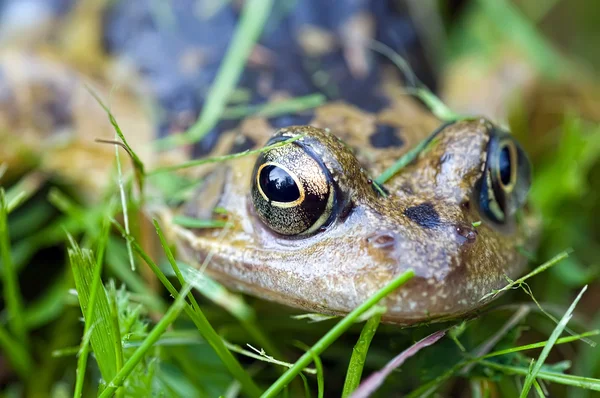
[[371, 240]]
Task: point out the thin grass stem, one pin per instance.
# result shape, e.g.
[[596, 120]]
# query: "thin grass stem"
[[12, 292], [359, 355]]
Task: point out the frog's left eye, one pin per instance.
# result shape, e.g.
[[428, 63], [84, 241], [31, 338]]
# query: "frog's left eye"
[[292, 192], [506, 178]]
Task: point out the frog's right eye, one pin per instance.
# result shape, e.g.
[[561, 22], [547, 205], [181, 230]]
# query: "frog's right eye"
[[292, 192], [506, 179]]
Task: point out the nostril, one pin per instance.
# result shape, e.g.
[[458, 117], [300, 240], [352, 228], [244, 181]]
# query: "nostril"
[[466, 234], [383, 240]]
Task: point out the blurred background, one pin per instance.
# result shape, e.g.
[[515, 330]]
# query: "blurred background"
[[532, 66]]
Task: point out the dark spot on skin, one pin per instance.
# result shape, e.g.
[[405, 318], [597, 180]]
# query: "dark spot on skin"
[[424, 215], [241, 144], [467, 234], [386, 136]]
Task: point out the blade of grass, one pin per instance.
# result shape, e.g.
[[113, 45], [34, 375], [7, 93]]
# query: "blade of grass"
[[318, 366], [204, 327], [84, 266], [16, 353], [95, 290], [408, 156], [237, 307], [416, 87], [548, 264], [336, 332], [491, 342], [546, 351], [153, 336], [10, 282], [262, 356], [521, 31], [588, 383], [82, 356], [520, 283], [429, 387], [306, 386], [124, 205], [541, 344], [116, 336], [219, 159], [23, 190], [359, 355], [115, 261], [138, 165], [538, 389], [249, 28], [370, 385], [271, 109], [190, 222]]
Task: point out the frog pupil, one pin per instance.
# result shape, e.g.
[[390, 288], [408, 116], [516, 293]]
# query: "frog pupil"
[[505, 166], [278, 185]]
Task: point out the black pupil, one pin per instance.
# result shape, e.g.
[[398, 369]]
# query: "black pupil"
[[505, 166], [278, 185]]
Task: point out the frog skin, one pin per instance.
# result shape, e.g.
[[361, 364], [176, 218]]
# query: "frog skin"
[[341, 240]]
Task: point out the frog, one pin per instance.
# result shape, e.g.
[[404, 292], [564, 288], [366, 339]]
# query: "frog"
[[309, 223], [308, 226]]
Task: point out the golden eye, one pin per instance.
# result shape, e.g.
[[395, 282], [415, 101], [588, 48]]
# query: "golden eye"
[[506, 178], [291, 191]]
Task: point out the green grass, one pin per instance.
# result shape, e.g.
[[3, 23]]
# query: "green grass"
[[252, 20], [167, 328], [359, 355]]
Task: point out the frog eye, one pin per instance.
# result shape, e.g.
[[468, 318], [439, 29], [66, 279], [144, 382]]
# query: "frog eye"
[[292, 191], [506, 178]]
